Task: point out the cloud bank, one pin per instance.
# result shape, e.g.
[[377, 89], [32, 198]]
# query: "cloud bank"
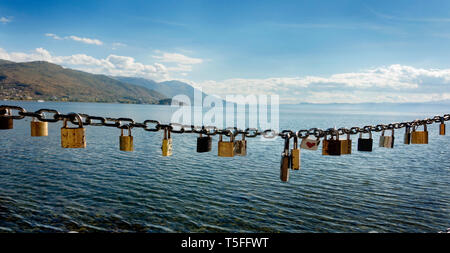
[[394, 83]]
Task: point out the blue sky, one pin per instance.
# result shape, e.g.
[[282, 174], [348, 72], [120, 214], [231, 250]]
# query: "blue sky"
[[305, 51]]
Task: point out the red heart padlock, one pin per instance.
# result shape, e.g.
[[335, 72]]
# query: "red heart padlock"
[[310, 144]]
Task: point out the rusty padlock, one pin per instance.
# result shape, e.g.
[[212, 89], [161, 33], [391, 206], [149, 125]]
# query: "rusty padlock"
[[419, 137], [285, 162], [73, 137], [6, 120], [295, 155], [331, 146], [407, 137], [442, 127], [241, 146], [346, 146]]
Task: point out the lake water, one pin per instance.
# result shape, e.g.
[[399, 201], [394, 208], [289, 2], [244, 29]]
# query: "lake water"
[[44, 188]]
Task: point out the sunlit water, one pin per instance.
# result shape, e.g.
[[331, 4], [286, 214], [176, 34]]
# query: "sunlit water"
[[44, 188]]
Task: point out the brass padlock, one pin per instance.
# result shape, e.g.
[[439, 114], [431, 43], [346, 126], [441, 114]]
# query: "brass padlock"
[[407, 138], [38, 128], [126, 142], [241, 146], [295, 155], [226, 148], [6, 121], [346, 146], [285, 162], [73, 137], [419, 137], [331, 146], [167, 143], [442, 127]]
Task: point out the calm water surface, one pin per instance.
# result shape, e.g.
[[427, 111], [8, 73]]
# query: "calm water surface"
[[44, 188]]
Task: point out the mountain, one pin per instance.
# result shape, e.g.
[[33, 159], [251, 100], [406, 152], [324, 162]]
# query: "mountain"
[[47, 81], [168, 88]]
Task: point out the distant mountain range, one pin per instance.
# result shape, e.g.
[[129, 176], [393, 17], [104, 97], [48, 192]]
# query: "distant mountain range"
[[47, 81], [168, 88]]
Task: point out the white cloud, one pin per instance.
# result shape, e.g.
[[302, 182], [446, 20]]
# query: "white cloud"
[[76, 38], [177, 58], [394, 83], [5, 20], [54, 36], [86, 40], [114, 65], [179, 62]]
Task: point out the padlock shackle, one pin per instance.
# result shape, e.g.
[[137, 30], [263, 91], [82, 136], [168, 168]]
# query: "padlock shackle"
[[166, 133], [417, 126], [7, 112], [295, 142], [286, 144], [370, 134], [407, 129], [76, 115], [337, 134], [129, 131]]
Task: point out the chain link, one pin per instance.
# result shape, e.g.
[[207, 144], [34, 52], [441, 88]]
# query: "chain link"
[[128, 123]]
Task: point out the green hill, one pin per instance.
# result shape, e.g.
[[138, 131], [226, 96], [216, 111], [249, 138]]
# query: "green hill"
[[47, 81]]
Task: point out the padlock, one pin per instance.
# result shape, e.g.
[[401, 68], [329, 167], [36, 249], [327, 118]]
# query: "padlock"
[[310, 144], [407, 137], [6, 122], [241, 146], [381, 142], [346, 146], [365, 144], [295, 155], [331, 146], [204, 143], [389, 140], [126, 142], [442, 127], [285, 162], [73, 137], [38, 128], [226, 148], [419, 137], [167, 143]]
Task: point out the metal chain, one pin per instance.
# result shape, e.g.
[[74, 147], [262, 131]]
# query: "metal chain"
[[155, 126]]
